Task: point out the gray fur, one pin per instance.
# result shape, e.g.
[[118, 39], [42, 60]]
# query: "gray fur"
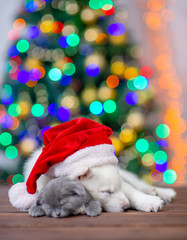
[[63, 197]]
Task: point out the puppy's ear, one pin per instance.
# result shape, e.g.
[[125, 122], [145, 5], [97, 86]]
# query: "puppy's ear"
[[87, 174]]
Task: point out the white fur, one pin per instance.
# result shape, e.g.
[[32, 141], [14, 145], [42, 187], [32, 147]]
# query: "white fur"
[[124, 187]]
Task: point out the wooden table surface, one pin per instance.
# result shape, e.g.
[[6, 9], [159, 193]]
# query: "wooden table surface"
[[170, 223]]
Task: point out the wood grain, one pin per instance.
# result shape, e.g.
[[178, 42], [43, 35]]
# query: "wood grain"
[[170, 223]]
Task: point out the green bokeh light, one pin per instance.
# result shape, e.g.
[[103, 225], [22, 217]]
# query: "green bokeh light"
[[14, 110], [130, 85], [109, 106], [11, 152], [96, 107], [55, 74], [5, 139], [17, 178], [142, 145], [106, 2], [73, 40], [69, 69], [22, 46], [154, 147], [95, 4], [37, 110], [163, 131], [169, 176], [140, 82], [160, 157]]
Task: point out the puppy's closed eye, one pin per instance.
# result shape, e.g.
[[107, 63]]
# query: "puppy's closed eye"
[[107, 192]]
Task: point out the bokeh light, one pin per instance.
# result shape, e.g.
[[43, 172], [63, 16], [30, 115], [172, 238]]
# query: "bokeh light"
[[57, 27], [63, 42], [12, 51], [112, 81], [63, 114], [31, 6], [14, 110], [131, 98], [161, 167], [163, 131], [146, 71], [109, 106], [162, 143], [73, 40], [19, 24], [22, 45], [140, 82], [37, 110], [116, 29], [160, 157], [52, 109], [96, 107], [92, 70], [33, 32], [23, 76], [17, 178], [69, 69], [11, 152], [55, 74], [142, 145], [169, 176], [5, 138]]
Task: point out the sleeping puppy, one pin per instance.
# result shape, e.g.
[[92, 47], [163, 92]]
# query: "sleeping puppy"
[[63, 197], [116, 189]]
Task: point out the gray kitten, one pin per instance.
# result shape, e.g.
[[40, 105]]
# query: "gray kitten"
[[63, 197]]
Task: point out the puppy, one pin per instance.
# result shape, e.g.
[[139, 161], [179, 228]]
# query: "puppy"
[[63, 197], [115, 188]]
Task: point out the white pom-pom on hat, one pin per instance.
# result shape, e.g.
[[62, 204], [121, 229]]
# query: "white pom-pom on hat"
[[20, 198]]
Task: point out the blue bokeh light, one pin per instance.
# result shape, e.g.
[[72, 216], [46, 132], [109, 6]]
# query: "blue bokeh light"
[[62, 42], [131, 98], [63, 114], [161, 167], [12, 51], [65, 80], [33, 32], [92, 70], [23, 76], [116, 29]]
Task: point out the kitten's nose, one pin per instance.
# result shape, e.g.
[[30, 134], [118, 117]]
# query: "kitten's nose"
[[58, 215]]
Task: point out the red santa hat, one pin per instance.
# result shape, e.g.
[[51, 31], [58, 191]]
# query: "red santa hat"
[[70, 148]]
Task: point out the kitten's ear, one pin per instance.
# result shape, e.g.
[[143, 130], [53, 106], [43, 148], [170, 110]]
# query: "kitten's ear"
[[87, 174]]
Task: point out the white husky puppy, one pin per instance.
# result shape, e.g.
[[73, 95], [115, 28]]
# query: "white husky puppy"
[[116, 189]]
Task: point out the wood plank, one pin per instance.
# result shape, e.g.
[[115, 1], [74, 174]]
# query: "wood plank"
[[170, 223]]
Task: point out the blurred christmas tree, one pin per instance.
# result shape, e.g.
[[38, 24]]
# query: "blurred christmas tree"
[[73, 58]]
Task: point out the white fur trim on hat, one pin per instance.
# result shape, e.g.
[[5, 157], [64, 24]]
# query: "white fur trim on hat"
[[85, 158], [20, 198]]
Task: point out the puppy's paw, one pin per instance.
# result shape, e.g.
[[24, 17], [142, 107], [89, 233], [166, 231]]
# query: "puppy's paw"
[[93, 209], [149, 190], [36, 211], [147, 203], [166, 194]]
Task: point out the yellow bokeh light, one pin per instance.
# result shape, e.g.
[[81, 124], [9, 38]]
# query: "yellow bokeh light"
[[46, 26], [127, 135], [131, 72], [118, 68]]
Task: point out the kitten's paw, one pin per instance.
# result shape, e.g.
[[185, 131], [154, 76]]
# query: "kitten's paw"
[[93, 209], [36, 211], [166, 194], [147, 203]]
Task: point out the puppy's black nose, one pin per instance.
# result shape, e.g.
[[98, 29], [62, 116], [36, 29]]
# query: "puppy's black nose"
[[58, 215]]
